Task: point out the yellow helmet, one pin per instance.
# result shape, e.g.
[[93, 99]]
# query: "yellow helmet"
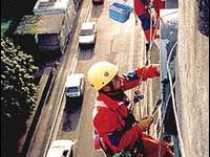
[[101, 73]]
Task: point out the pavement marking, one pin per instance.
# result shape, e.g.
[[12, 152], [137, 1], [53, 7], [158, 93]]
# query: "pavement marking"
[[56, 123]]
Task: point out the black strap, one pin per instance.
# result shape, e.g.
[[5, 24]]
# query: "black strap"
[[145, 2], [107, 151], [138, 148]]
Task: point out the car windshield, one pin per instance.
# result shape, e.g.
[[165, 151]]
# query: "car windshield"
[[86, 32], [72, 89]]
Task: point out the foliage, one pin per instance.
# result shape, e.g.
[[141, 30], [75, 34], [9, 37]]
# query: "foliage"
[[17, 87], [17, 94], [28, 25]]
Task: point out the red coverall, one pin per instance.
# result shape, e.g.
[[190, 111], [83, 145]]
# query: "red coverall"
[[144, 15], [109, 117]]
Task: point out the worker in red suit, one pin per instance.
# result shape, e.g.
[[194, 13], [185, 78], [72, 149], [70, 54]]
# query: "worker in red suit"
[[113, 122], [143, 11]]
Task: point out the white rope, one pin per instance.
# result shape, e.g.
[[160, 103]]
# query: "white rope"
[[143, 106], [172, 87], [173, 100], [174, 103], [162, 121], [152, 35]]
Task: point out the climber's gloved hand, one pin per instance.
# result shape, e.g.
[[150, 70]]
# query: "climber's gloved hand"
[[145, 123]]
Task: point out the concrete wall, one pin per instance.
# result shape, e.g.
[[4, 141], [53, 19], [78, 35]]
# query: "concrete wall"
[[192, 81]]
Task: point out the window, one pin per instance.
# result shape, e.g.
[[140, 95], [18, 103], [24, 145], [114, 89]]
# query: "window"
[[65, 152], [72, 90], [86, 32]]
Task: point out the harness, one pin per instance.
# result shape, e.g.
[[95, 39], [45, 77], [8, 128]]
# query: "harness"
[[114, 138], [123, 154], [137, 151]]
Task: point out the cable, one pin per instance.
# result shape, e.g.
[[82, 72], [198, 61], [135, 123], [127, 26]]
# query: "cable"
[[139, 86], [173, 102], [162, 120], [147, 62], [172, 86], [171, 95]]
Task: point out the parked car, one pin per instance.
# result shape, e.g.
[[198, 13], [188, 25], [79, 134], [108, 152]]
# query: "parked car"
[[87, 35], [75, 85], [97, 2], [60, 148]]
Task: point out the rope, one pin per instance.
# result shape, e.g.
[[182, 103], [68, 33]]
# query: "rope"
[[171, 94], [164, 115], [162, 122], [173, 103], [140, 81], [147, 62], [171, 87], [151, 39], [174, 107], [152, 35], [148, 55]]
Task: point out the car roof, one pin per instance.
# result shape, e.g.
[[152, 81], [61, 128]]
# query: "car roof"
[[73, 80], [58, 147], [88, 25]]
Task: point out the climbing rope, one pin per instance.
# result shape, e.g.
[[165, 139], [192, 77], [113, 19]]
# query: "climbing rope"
[[153, 25], [147, 62], [172, 86], [173, 101], [137, 91], [152, 36]]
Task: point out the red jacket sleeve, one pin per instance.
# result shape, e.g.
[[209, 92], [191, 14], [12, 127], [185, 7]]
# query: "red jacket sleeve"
[[133, 79], [148, 72]]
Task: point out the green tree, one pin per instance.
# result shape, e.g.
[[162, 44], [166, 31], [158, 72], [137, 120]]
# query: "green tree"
[[17, 93]]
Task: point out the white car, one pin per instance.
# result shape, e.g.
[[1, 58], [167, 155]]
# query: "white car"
[[87, 35], [75, 85], [60, 148]]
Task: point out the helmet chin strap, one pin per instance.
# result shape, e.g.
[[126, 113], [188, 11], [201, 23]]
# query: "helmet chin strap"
[[118, 95], [114, 94]]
